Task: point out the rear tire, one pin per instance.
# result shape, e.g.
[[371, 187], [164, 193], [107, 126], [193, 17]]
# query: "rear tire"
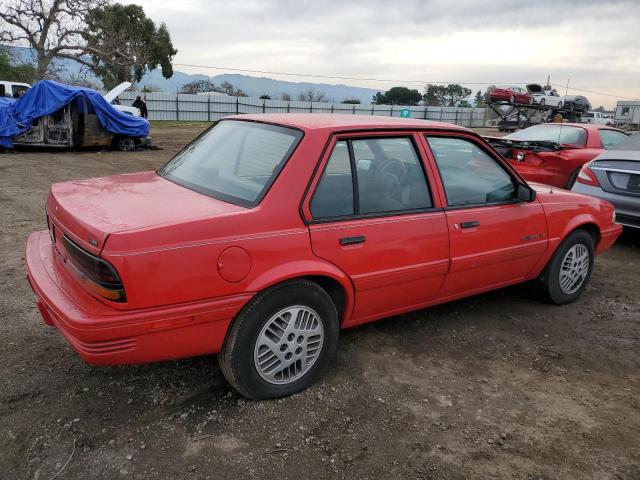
[[281, 342], [567, 273]]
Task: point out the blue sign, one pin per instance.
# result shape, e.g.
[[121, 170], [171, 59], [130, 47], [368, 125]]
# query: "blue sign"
[[405, 113]]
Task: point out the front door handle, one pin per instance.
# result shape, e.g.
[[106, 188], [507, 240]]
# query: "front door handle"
[[470, 224], [352, 240]]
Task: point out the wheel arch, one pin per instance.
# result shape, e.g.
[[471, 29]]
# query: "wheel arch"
[[331, 279], [584, 222]]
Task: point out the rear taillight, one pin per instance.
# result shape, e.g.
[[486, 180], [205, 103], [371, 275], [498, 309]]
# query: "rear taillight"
[[96, 274], [587, 177]]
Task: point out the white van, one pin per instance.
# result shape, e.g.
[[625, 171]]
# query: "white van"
[[13, 89], [597, 118]]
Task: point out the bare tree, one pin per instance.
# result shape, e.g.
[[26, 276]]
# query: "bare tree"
[[51, 28], [312, 96], [285, 96]]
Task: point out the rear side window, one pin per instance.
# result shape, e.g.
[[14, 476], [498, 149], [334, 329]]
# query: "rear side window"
[[470, 176], [369, 176], [610, 138]]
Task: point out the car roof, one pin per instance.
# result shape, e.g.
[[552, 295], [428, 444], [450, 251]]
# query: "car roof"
[[342, 122], [586, 126]]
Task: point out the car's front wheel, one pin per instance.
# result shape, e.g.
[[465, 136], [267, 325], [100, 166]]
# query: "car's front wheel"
[[281, 342], [568, 272]]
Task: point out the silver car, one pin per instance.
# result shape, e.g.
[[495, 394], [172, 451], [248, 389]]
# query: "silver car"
[[614, 175]]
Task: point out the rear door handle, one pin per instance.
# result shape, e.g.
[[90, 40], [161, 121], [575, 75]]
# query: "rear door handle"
[[352, 240], [471, 224]]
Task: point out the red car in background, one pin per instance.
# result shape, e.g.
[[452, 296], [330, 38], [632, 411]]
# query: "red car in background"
[[269, 233], [553, 153], [511, 95]]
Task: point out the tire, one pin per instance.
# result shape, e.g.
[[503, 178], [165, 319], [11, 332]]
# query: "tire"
[[542, 102], [249, 363], [531, 101], [559, 105], [554, 290], [125, 144]]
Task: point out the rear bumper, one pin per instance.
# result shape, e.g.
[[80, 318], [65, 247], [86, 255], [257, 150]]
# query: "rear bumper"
[[627, 207], [106, 336]]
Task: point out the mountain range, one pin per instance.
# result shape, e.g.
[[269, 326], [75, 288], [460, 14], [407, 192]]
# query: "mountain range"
[[252, 86]]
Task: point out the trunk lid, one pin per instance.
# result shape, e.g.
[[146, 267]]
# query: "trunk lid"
[[619, 172], [89, 210], [534, 88]]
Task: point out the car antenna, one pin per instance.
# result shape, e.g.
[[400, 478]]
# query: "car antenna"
[[566, 92]]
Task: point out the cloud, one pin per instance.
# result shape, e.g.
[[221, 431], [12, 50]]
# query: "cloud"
[[590, 42]]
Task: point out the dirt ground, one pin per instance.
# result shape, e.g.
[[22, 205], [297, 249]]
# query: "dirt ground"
[[495, 386]]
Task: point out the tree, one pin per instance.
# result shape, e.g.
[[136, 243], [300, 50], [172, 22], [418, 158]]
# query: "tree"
[[312, 96], [449, 96], [487, 94], [198, 86], [285, 96], [351, 101], [464, 104], [398, 96], [51, 29], [15, 72], [124, 44], [479, 99], [265, 96]]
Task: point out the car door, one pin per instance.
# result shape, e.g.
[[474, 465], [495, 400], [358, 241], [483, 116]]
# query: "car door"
[[495, 240], [371, 212]]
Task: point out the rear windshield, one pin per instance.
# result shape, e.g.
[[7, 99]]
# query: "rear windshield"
[[631, 143], [236, 161], [562, 134]]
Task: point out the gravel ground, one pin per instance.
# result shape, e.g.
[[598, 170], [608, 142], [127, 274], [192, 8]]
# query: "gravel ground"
[[495, 386]]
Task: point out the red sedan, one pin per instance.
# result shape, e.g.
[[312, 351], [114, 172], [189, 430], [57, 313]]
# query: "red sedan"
[[269, 233], [511, 95], [554, 153]]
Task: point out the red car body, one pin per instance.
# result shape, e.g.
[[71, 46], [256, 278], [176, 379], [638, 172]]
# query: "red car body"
[[510, 95], [560, 165], [189, 262]]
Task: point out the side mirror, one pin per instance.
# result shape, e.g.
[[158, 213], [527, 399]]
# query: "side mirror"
[[525, 193]]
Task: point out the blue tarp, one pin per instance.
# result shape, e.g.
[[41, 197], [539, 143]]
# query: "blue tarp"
[[47, 97]]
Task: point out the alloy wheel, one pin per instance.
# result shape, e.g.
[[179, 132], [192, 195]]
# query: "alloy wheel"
[[574, 268], [288, 345]]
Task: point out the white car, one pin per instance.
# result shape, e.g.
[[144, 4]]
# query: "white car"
[[13, 89], [544, 97], [111, 95]]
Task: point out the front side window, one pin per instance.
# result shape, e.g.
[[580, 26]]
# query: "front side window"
[[561, 134], [610, 138], [470, 176], [236, 161], [388, 178]]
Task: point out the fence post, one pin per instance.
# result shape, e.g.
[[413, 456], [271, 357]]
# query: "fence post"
[[208, 108], [441, 112], [456, 120], [310, 107], [425, 112], [177, 107], [289, 107], [237, 105], [354, 109], [372, 107], [264, 101], [473, 111], [391, 111]]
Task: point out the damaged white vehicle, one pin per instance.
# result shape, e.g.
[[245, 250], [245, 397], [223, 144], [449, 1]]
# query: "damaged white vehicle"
[[544, 97]]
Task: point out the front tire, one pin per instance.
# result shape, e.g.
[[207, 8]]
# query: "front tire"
[[281, 342], [567, 273]]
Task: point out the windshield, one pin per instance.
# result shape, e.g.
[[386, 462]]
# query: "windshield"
[[236, 161], [562, 134]]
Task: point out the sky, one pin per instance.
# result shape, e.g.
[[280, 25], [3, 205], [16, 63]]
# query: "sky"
[[589, 44]]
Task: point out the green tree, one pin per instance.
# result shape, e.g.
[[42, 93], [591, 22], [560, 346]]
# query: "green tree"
[[351, 101], [464, 104], [479, 99], [398, 96], [378, 98], [15, 72], [124, 44], [265, 96], [198, 86], [449, 96]]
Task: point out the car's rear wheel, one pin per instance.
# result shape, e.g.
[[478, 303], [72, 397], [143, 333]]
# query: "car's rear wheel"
[[531, 101], [281, 342], [559, 105], [568, 272]]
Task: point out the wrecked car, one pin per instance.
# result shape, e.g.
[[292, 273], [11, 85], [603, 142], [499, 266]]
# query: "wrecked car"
[[52, 114]]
